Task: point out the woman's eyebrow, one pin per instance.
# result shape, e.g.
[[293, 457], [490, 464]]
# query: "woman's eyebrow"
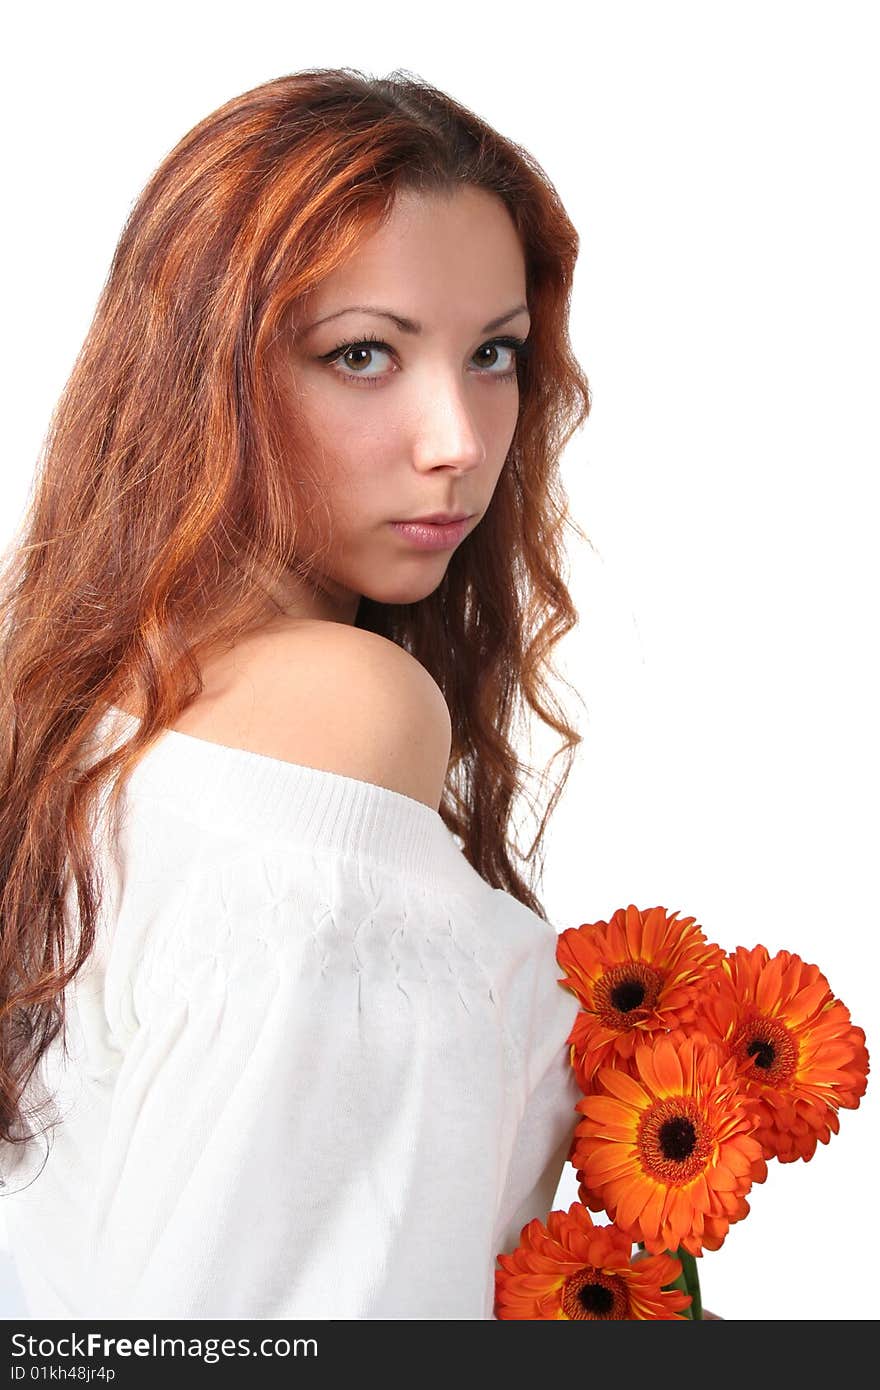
[[410, 325]]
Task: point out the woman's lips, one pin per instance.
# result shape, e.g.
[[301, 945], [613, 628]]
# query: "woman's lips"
[[432, 535]]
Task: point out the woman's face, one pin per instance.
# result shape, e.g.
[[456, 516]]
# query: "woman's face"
[[421, 424]]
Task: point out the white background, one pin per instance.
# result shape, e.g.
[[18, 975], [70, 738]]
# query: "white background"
[[719, 163]]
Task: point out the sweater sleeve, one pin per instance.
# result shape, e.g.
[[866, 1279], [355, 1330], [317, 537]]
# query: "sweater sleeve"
[[318, 1113]]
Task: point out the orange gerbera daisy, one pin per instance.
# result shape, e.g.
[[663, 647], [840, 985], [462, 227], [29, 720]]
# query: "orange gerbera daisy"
[[669, 1151], [637, 974], [798, 1053], [573, 1269]]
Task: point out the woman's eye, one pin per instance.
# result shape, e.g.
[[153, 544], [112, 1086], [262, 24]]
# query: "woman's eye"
[[358, 357], [515, 348], [353, 361]]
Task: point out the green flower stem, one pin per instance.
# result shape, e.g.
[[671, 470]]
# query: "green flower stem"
[[691, 1277]]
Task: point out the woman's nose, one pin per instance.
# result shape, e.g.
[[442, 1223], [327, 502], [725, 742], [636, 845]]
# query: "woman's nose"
[[447, 432]]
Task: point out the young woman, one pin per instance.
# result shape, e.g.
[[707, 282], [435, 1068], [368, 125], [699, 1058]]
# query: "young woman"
[[282, 1033]]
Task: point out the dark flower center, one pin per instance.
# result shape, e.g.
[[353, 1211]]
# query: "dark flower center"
[[677, 1138], [591, 1294], [766, 1051], [629, 994], [762, 1053], [596, 1298]]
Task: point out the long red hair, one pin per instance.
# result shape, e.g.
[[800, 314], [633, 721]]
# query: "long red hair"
[[163, 504]]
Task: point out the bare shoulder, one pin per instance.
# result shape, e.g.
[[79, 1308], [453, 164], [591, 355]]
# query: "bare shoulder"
[[334, 697]]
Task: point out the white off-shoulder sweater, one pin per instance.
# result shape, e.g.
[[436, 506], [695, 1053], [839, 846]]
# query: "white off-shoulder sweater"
[[318, 1065]]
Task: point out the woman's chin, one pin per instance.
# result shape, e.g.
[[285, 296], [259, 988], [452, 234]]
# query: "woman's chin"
[[401, 592]]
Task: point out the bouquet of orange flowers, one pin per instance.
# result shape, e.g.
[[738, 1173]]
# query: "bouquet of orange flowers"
[[697, 1066]]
